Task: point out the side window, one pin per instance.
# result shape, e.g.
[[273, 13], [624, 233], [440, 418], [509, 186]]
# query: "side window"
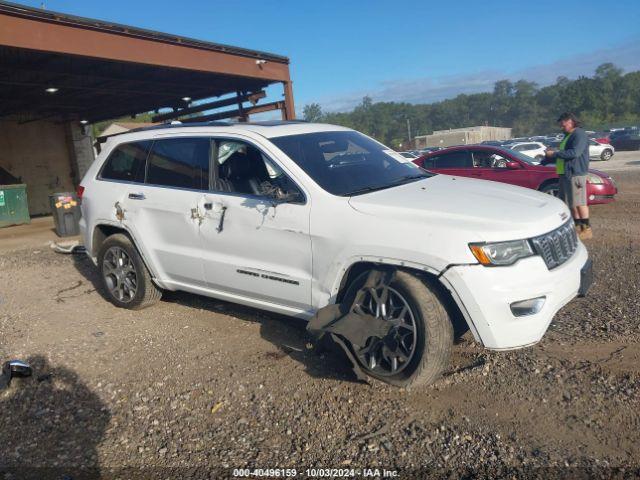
[[242, 168], [488, 159], [519, 148], [179, 162], [126, 162], [460, 159], [429, 162]]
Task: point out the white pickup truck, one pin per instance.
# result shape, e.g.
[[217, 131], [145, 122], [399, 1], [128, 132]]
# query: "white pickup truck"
[[323, 223]]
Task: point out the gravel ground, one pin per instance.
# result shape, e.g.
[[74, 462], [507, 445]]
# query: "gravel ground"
[[194, 387]]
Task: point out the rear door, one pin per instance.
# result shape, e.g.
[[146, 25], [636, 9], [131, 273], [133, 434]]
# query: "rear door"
[[162, 213], [457, 162]]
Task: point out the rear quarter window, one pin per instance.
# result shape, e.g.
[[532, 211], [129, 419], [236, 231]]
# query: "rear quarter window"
[[126, 162]]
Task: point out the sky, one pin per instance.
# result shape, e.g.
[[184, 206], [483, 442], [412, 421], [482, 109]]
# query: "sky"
[[418, 51]]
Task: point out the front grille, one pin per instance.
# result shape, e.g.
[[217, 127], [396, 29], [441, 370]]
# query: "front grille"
[[557, 246]]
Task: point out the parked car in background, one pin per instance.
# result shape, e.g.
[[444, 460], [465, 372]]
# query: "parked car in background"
[[501, 164], [626, 140], [600, 151], [429, 149], [600, 137], [533, 150], [409, 155], [325, 224]]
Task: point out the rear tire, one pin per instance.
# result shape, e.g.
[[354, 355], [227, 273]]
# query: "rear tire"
[[125, 278], [431, 346], [606, 155]]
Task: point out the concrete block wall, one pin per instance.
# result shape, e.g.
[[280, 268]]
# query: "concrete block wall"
[[46, 155]]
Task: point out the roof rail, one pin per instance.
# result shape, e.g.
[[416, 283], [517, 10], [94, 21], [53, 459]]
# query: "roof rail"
[[213, 123], [173, 124]]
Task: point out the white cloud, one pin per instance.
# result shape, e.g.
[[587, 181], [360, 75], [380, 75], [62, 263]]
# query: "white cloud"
[[430, 89]]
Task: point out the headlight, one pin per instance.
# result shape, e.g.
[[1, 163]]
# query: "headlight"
[[595, 179], [501, 253]]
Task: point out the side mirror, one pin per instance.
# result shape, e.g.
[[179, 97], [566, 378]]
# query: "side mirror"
[[280, 196], [513, 165], [15, 368]]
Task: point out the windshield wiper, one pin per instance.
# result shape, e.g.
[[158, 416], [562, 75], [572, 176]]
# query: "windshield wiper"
[[408, 178], [400, 181], [366, 190]]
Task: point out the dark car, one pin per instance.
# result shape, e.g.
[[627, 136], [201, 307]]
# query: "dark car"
[[508, 166], [625, 139]]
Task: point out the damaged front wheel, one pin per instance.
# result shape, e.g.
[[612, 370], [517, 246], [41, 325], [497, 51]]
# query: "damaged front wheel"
[[413, 332]]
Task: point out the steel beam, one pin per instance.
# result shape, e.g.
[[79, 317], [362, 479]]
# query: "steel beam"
[[225, 102], [267, 107]]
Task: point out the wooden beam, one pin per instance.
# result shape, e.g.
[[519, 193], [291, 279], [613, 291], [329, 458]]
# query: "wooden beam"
[[290, 109], [47, 36]]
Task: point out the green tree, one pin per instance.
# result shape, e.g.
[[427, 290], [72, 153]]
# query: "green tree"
[[312, 112]]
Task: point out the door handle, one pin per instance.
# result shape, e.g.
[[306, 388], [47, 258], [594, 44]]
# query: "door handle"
[[208, 206], [136, 196]]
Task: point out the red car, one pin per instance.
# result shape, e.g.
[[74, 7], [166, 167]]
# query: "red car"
[[508, 166]]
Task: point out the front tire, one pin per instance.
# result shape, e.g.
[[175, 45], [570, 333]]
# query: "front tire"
[[606, 155], [125, 278], [552, 188], [416, 350]]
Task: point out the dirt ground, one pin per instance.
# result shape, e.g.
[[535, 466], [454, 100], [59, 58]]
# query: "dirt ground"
[[195, 388]]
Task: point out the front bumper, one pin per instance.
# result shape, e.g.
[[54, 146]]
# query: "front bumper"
[[484, 295], [601, 193]]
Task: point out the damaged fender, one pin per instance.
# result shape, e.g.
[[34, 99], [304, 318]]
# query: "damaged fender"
[[348, 325]]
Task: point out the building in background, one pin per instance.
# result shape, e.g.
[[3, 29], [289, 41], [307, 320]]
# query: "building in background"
[[462, 136]]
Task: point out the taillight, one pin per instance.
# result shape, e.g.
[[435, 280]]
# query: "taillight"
[[79, 192]]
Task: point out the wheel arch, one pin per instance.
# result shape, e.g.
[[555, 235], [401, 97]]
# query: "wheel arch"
[[427, 275], [102, 231], [547, 182]]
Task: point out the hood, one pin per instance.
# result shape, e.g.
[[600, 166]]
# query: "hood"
[[490, 211]]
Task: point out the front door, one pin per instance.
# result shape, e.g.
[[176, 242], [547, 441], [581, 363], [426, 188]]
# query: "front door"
[[254, 245], [491, 165]]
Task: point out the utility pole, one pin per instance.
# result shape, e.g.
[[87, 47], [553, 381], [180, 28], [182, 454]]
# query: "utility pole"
[[409, 132]]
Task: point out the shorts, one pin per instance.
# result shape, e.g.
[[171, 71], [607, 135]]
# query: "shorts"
[[573, 190]]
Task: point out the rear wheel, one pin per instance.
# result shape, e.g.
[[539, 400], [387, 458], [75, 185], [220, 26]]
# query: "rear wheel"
[[126, 279], [552, 188], [417, 348], [606, 154]]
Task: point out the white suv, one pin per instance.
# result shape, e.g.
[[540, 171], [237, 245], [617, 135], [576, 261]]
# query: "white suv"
[[323, 223], [534, 150]]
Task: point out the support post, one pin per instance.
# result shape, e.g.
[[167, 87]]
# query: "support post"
[[290, 110]]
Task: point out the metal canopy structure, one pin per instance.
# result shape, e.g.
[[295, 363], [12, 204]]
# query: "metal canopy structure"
[[67, 68]]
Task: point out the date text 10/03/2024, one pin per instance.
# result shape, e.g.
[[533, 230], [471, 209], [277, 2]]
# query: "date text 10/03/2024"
[[315, 473]]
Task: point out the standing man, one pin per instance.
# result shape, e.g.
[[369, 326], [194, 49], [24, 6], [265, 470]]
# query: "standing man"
[[572, 166]]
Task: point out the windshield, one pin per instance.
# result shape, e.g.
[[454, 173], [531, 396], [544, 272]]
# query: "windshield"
[[520, 156], [348, 163]]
